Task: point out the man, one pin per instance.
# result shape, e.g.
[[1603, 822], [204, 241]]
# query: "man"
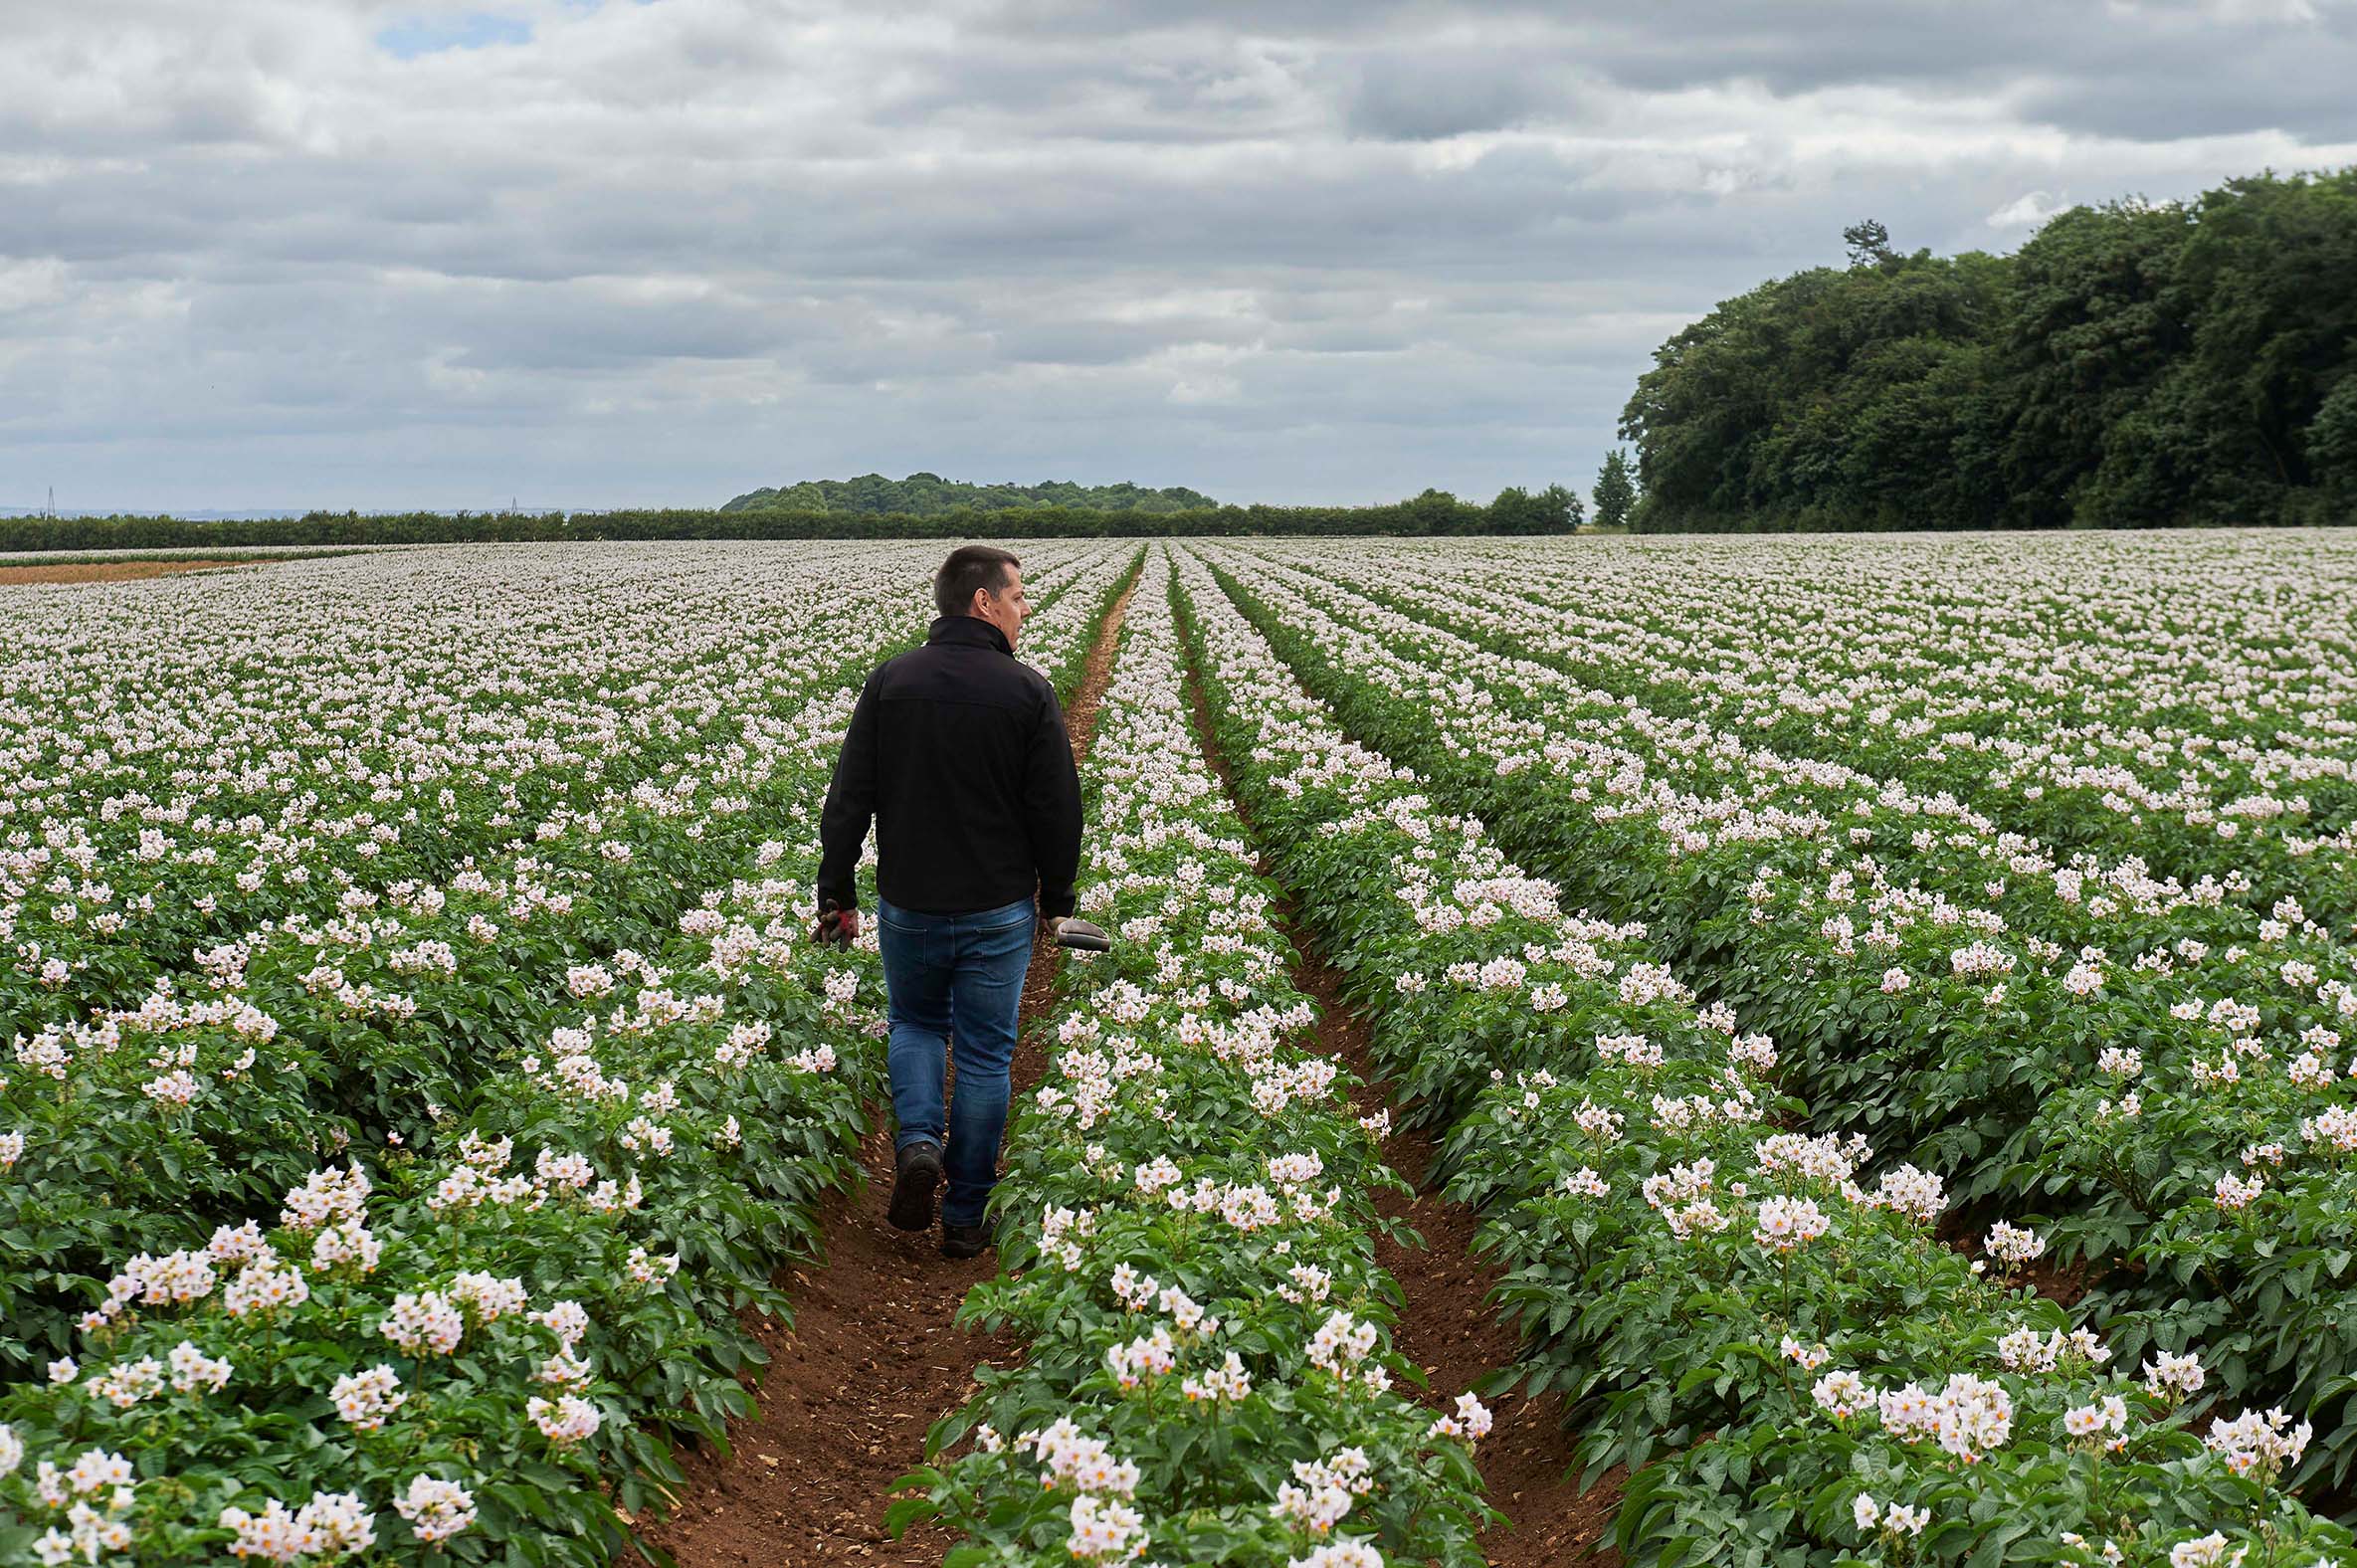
[[959, 753]]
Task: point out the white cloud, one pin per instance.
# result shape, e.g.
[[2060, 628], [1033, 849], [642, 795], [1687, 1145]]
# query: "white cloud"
[[2026, 211], [352, 253]]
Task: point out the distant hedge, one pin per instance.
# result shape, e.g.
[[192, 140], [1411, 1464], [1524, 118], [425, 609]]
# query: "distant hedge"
[[929, 494], [1433, 512]]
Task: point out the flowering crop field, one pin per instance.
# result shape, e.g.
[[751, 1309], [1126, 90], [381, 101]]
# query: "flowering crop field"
[[2021, 872], [414, 1066], [1884, 998]]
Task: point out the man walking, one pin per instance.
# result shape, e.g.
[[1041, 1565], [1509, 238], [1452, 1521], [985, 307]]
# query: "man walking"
[[958, 751]]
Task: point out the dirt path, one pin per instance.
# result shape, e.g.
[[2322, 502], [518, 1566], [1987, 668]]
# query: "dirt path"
[[875, 1355], [1449, 1328], [104, 571], [1451, 1331]]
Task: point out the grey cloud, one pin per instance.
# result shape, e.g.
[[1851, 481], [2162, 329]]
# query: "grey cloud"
[[2314, 99], [1451, 85], [1339, 251]]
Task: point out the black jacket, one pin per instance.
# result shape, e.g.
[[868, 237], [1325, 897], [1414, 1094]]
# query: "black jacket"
[[958, 751]]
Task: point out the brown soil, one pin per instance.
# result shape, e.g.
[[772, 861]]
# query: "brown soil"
[[105, 571], [875, 1355], [1449, 1330], [1448, 1327], [2064, 1285]]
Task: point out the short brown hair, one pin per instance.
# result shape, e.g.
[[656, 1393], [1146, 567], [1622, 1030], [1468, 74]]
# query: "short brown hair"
[[970, 566]]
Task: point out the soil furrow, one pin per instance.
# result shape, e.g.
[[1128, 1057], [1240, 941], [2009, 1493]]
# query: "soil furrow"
[[875, 1356], [1448, 1327], [106, 571]]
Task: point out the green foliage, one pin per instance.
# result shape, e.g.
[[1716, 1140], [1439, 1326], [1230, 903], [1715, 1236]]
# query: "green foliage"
[[1104, 1256], [930, 495], [2332, 443], [1619, 1142], [595, 1068], [1867, 241], [1616, 491], [2132, 365], [1552, 511]]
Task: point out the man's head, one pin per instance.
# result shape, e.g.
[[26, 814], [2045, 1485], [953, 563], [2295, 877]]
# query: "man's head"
[[985, 582]]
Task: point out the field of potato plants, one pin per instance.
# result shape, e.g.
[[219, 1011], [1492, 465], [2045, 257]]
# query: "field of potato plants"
[[1880, 1002]]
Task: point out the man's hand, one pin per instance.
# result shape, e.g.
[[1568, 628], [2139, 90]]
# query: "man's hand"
[[1050, 926], [837, 925]]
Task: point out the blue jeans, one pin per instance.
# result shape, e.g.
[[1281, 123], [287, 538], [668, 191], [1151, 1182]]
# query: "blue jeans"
[[955, 978]]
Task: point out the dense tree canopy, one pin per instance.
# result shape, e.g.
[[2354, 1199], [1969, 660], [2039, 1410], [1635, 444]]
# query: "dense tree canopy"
[[2132, 365], [929, 494]]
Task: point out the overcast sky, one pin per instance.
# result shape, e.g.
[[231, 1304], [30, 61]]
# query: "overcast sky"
[[293, 252]]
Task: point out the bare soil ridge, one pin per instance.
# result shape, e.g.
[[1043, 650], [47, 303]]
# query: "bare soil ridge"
[[106, 571], [875, 1355]]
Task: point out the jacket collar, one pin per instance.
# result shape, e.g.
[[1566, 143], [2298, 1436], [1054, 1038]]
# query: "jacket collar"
[[970, 629]]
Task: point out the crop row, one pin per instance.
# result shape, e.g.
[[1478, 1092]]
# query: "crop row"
[[189, 763], [1185, 1225], [1988, 1036], [139, 1128], [2207, 1146], [2191, 705], [1718, 1294], [494, 1328]]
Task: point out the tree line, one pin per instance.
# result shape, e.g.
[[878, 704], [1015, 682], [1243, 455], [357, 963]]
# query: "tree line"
[[2137, 364], [1553, 510]]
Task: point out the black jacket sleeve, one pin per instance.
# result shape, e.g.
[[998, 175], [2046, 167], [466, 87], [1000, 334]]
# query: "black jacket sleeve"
[[850, 803], [1052, 809]]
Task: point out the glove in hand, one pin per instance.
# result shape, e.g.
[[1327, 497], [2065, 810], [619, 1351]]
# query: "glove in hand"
[[836, 925]]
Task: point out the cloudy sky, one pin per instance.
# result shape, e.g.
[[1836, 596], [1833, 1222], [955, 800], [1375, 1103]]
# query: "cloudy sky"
[[293, 252]]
